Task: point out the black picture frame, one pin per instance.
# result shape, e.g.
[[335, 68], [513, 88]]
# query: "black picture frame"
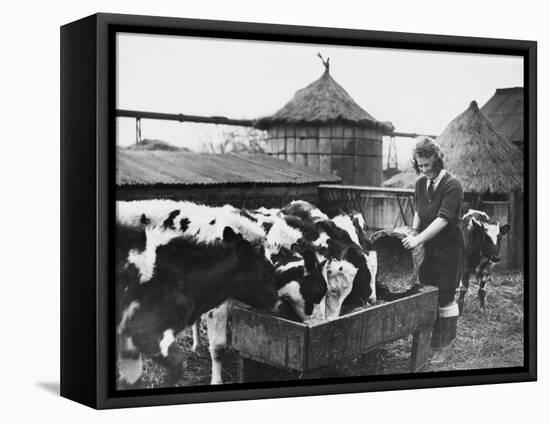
[[87, 206]]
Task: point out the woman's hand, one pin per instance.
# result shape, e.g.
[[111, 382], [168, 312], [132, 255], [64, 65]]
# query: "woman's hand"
[[411, 242]]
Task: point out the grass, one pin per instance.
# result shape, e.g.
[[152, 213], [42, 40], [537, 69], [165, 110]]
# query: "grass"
[[490, 339]]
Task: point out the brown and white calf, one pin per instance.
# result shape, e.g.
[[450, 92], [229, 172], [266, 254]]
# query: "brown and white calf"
[[482, 236], [166, 280]]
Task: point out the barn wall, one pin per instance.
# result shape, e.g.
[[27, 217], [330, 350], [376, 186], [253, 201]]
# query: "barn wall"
[[387, 208], [248, 197], [352, 152]]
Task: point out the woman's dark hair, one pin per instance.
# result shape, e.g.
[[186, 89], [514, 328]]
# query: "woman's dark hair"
[[427, 148]]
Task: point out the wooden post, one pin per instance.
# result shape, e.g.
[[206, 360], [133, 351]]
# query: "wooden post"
[[515, 238], [420, 352], [138, 131]]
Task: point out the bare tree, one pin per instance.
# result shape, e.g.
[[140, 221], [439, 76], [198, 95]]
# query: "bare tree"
[[238, 140]]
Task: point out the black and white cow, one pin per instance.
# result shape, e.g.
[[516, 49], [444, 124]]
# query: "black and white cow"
[[342, 259], [301, 286], [300, 279], [482, 236], [348, 242], [364, 288], [166, 279], [348, 239], [312, 285]]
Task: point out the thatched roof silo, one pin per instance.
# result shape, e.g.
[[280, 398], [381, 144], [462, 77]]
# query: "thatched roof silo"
[[482, 159], [323, 128]]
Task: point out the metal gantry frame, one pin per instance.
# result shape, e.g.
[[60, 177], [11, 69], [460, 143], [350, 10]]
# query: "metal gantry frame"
[[217, 120]]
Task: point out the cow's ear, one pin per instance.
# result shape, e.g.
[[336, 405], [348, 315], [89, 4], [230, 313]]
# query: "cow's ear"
[[320, 225], [476, 225], [295, 248], [354, 257], [323, 225], [344, 210], [230, 236], [335, 249], [244, 249], [356, 223], [310, 261], [504, 229], [144, 220]]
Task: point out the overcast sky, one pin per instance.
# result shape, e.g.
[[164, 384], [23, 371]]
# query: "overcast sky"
[[417, 91]]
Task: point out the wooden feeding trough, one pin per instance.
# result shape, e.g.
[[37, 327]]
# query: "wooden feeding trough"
[[267, 344]]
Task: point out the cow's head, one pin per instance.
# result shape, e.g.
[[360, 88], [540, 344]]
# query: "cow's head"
[[306, 285], [254, 271], [313, 283], [488, 236], [340, 279]]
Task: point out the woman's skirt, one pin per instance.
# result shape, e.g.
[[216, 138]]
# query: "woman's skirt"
[[443, 263]]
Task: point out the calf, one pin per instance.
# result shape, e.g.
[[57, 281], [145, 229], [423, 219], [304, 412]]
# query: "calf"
[[311, 286], [355, 227], [300, 285], [482, 237], [166, 290], [300, 280], [343, 258], [346, 241], [300, 277]]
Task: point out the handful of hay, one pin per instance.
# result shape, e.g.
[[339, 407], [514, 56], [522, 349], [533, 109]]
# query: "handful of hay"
[[397, 267]]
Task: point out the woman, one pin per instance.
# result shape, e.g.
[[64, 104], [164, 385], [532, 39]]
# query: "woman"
[[438, 202]]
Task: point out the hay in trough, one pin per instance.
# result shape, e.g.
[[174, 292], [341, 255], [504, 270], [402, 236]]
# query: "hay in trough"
[[480, 157], [397, 266]]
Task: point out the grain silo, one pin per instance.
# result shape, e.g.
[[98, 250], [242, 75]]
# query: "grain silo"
[[323, 128]]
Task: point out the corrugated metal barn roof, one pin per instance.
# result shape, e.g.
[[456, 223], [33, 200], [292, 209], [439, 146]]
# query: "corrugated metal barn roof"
[[505, 111], [184, 168]]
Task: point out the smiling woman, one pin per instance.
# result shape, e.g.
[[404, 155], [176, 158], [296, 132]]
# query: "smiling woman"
[[438, 201]]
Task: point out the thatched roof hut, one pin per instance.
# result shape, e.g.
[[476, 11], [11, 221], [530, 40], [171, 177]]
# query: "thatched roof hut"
[[483, 160], [323, 101], [323, 128]]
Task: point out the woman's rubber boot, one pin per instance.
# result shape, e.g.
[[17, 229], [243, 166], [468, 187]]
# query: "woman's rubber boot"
[[448, 319], [434, 342]]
